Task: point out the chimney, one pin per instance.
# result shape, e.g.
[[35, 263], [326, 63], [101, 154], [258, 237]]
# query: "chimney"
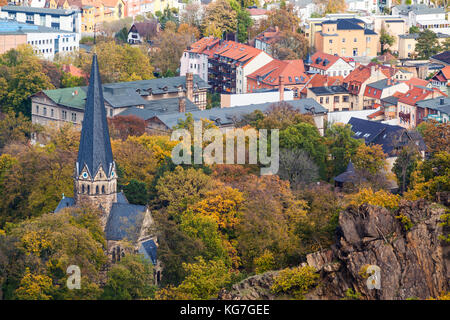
[[190, 86], [281, 88], [181, 104]]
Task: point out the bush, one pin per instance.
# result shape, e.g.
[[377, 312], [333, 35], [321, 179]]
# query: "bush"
[[380, 198], [296, 281]]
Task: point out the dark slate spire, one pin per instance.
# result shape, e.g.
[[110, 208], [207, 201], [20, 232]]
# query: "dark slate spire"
[[95, 145]]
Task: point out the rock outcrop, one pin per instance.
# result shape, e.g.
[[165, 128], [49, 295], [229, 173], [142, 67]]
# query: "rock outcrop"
[[252, 288], [412, 259]]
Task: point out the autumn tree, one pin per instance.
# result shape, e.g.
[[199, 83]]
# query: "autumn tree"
[[41, 249], [119, 62], [334, 6], [121, 127], [370, 158], [21, 75], [16, 128], [405, 164], [221, 15], [436, 135], [280, 116], [297, 167], [290, 46], [191, 14]]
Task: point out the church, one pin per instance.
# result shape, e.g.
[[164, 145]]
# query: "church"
[[95, 183]]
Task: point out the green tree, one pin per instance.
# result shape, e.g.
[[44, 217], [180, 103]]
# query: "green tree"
[[130, 279], [427, 44], [405, 165], [221, 15], [16, 129], [386, 40], [307, 137]]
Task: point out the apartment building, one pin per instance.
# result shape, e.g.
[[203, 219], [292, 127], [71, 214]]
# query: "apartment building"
[[195, 57], [66, 19], [407, 44], [288, 73], [380, 89], [333, 98], [346, 38], [46, 42]]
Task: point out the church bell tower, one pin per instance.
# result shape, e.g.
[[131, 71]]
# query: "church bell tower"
[[95, 178]]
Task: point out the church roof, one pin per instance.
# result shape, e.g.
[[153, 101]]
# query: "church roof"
[[149, 250], [95, 145], [65, 203], [123, 221], [348, 176]]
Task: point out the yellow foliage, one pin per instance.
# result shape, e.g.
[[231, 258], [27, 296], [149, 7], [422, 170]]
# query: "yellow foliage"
[[161, 146], [265, 262], [296, 281], [34, 287], [223, 204], [34, 242], [380, 198]]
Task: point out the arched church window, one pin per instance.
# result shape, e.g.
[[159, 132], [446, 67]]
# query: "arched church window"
[[82, 188], [103, 189], [96, 189], [88, 189]]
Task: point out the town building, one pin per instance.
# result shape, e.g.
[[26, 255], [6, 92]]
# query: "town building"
[[95, 182], [437, 109], [46, 42], [346, 38], [333, 98], [380, 89], [363, 6], [289, 73], [257, 14], [228, 100], [141, 32], [225, 118], [407, 111], [266, 39], [305, 8], [441, 79], [230, 63], [407, 44], [330, 65], [424, 17], [358, 79], [391, 138], [195, 57], [58, 19], [67, 105]]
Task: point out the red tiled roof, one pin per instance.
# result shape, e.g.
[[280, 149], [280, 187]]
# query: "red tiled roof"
[[320, 80], [416, 94], [236, 51], [68, 68], [269, 35], [376, 113], [318, 60], [417, 82], [292, 70], [204, 45]]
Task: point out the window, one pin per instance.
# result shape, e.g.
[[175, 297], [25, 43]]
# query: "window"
[[345, 99], [327, 100], [37, 109], [52, 112], [330, 41], [64, 115], [343, 40], [103, 189], [355, 40], [111, 112], [96, 189], [368, 90], [368, 39], [74, 117], [321, 100], [336, 99]]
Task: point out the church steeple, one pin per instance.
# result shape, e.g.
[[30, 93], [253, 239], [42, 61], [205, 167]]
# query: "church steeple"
[[95, 146], [95, 177]]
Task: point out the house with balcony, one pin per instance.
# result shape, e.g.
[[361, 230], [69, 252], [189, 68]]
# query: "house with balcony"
[[330, 65], [408, 113], [437, 109], [441, 79], [380, 89]]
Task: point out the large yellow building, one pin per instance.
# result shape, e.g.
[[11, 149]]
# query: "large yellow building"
[[93, 12], [407, 44], [346, 38]]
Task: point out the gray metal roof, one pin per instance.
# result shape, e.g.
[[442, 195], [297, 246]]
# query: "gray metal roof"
[[95, 145], [159, 107], [391, 100], [321, 91], [225, 116], [440, 104], [149, 250], [59, 12], [382, 84], [65, 203]]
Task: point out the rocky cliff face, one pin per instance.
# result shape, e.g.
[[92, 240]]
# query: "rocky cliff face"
[[413, 262]]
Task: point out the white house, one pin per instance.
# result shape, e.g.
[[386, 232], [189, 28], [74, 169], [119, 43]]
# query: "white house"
[[330, 65], [369, 6], [195, 57], [305, 8], [58, 19]]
